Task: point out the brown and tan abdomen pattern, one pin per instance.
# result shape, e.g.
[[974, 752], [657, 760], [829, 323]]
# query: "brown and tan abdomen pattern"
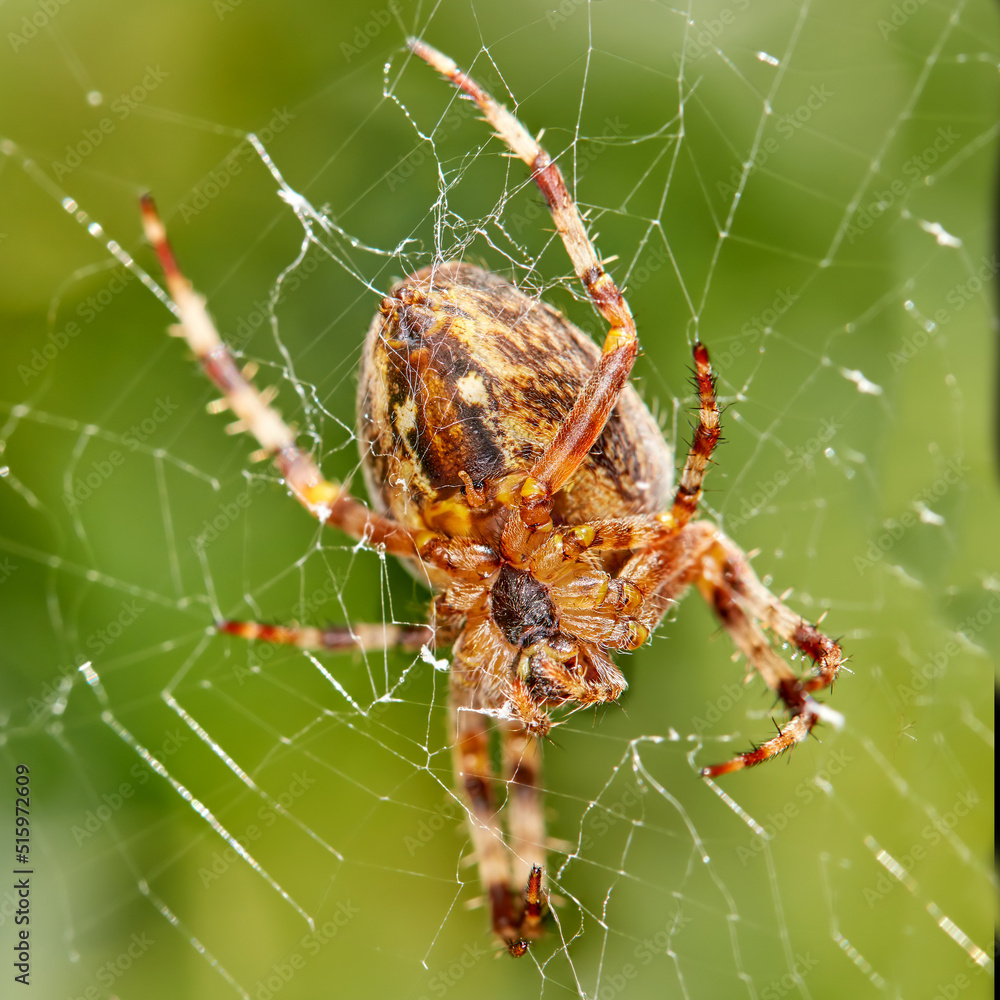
[[462, 373]]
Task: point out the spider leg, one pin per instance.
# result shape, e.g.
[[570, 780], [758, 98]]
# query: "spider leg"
[[752, 642], [600, 393], [471, 749], [522, 761], [706, 437], [702, 555], [361, 636], [728, 569], [325, 500], [561, 551], [563, 548]]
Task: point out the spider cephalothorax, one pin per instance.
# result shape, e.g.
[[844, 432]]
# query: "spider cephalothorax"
[[512, 466]]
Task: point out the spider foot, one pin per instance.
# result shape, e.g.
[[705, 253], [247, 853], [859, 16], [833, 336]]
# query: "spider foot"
[[793, 732], [532, 912]]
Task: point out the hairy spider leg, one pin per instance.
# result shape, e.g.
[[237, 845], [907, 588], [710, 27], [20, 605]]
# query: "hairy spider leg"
[[706, 437], [325, 500], [670, 556], [522, 765], [565, 546], [701, 555], [334, 637], [743, 605], [513, 921], [599, 394]]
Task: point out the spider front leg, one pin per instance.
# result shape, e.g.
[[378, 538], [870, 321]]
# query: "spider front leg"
[[706, 437], [599, 394], [325, 500]]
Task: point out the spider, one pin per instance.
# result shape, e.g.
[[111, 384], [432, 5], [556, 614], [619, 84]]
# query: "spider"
[[509, 461]]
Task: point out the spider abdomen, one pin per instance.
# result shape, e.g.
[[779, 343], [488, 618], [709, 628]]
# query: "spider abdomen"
[[464, 380]]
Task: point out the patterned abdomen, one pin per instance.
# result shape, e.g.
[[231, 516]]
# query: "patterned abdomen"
[[461, 373]]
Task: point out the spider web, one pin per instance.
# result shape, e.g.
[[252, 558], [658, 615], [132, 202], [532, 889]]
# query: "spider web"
[[804, 187]]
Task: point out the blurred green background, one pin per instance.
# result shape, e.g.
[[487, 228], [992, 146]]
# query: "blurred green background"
[[847, 151]]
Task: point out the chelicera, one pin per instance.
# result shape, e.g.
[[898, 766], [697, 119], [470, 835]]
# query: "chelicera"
[[512, 465]]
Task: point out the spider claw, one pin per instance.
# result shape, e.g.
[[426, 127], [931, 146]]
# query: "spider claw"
[[533, 899]]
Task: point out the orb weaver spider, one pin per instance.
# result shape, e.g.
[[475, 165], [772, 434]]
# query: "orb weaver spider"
[[510, 461]]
